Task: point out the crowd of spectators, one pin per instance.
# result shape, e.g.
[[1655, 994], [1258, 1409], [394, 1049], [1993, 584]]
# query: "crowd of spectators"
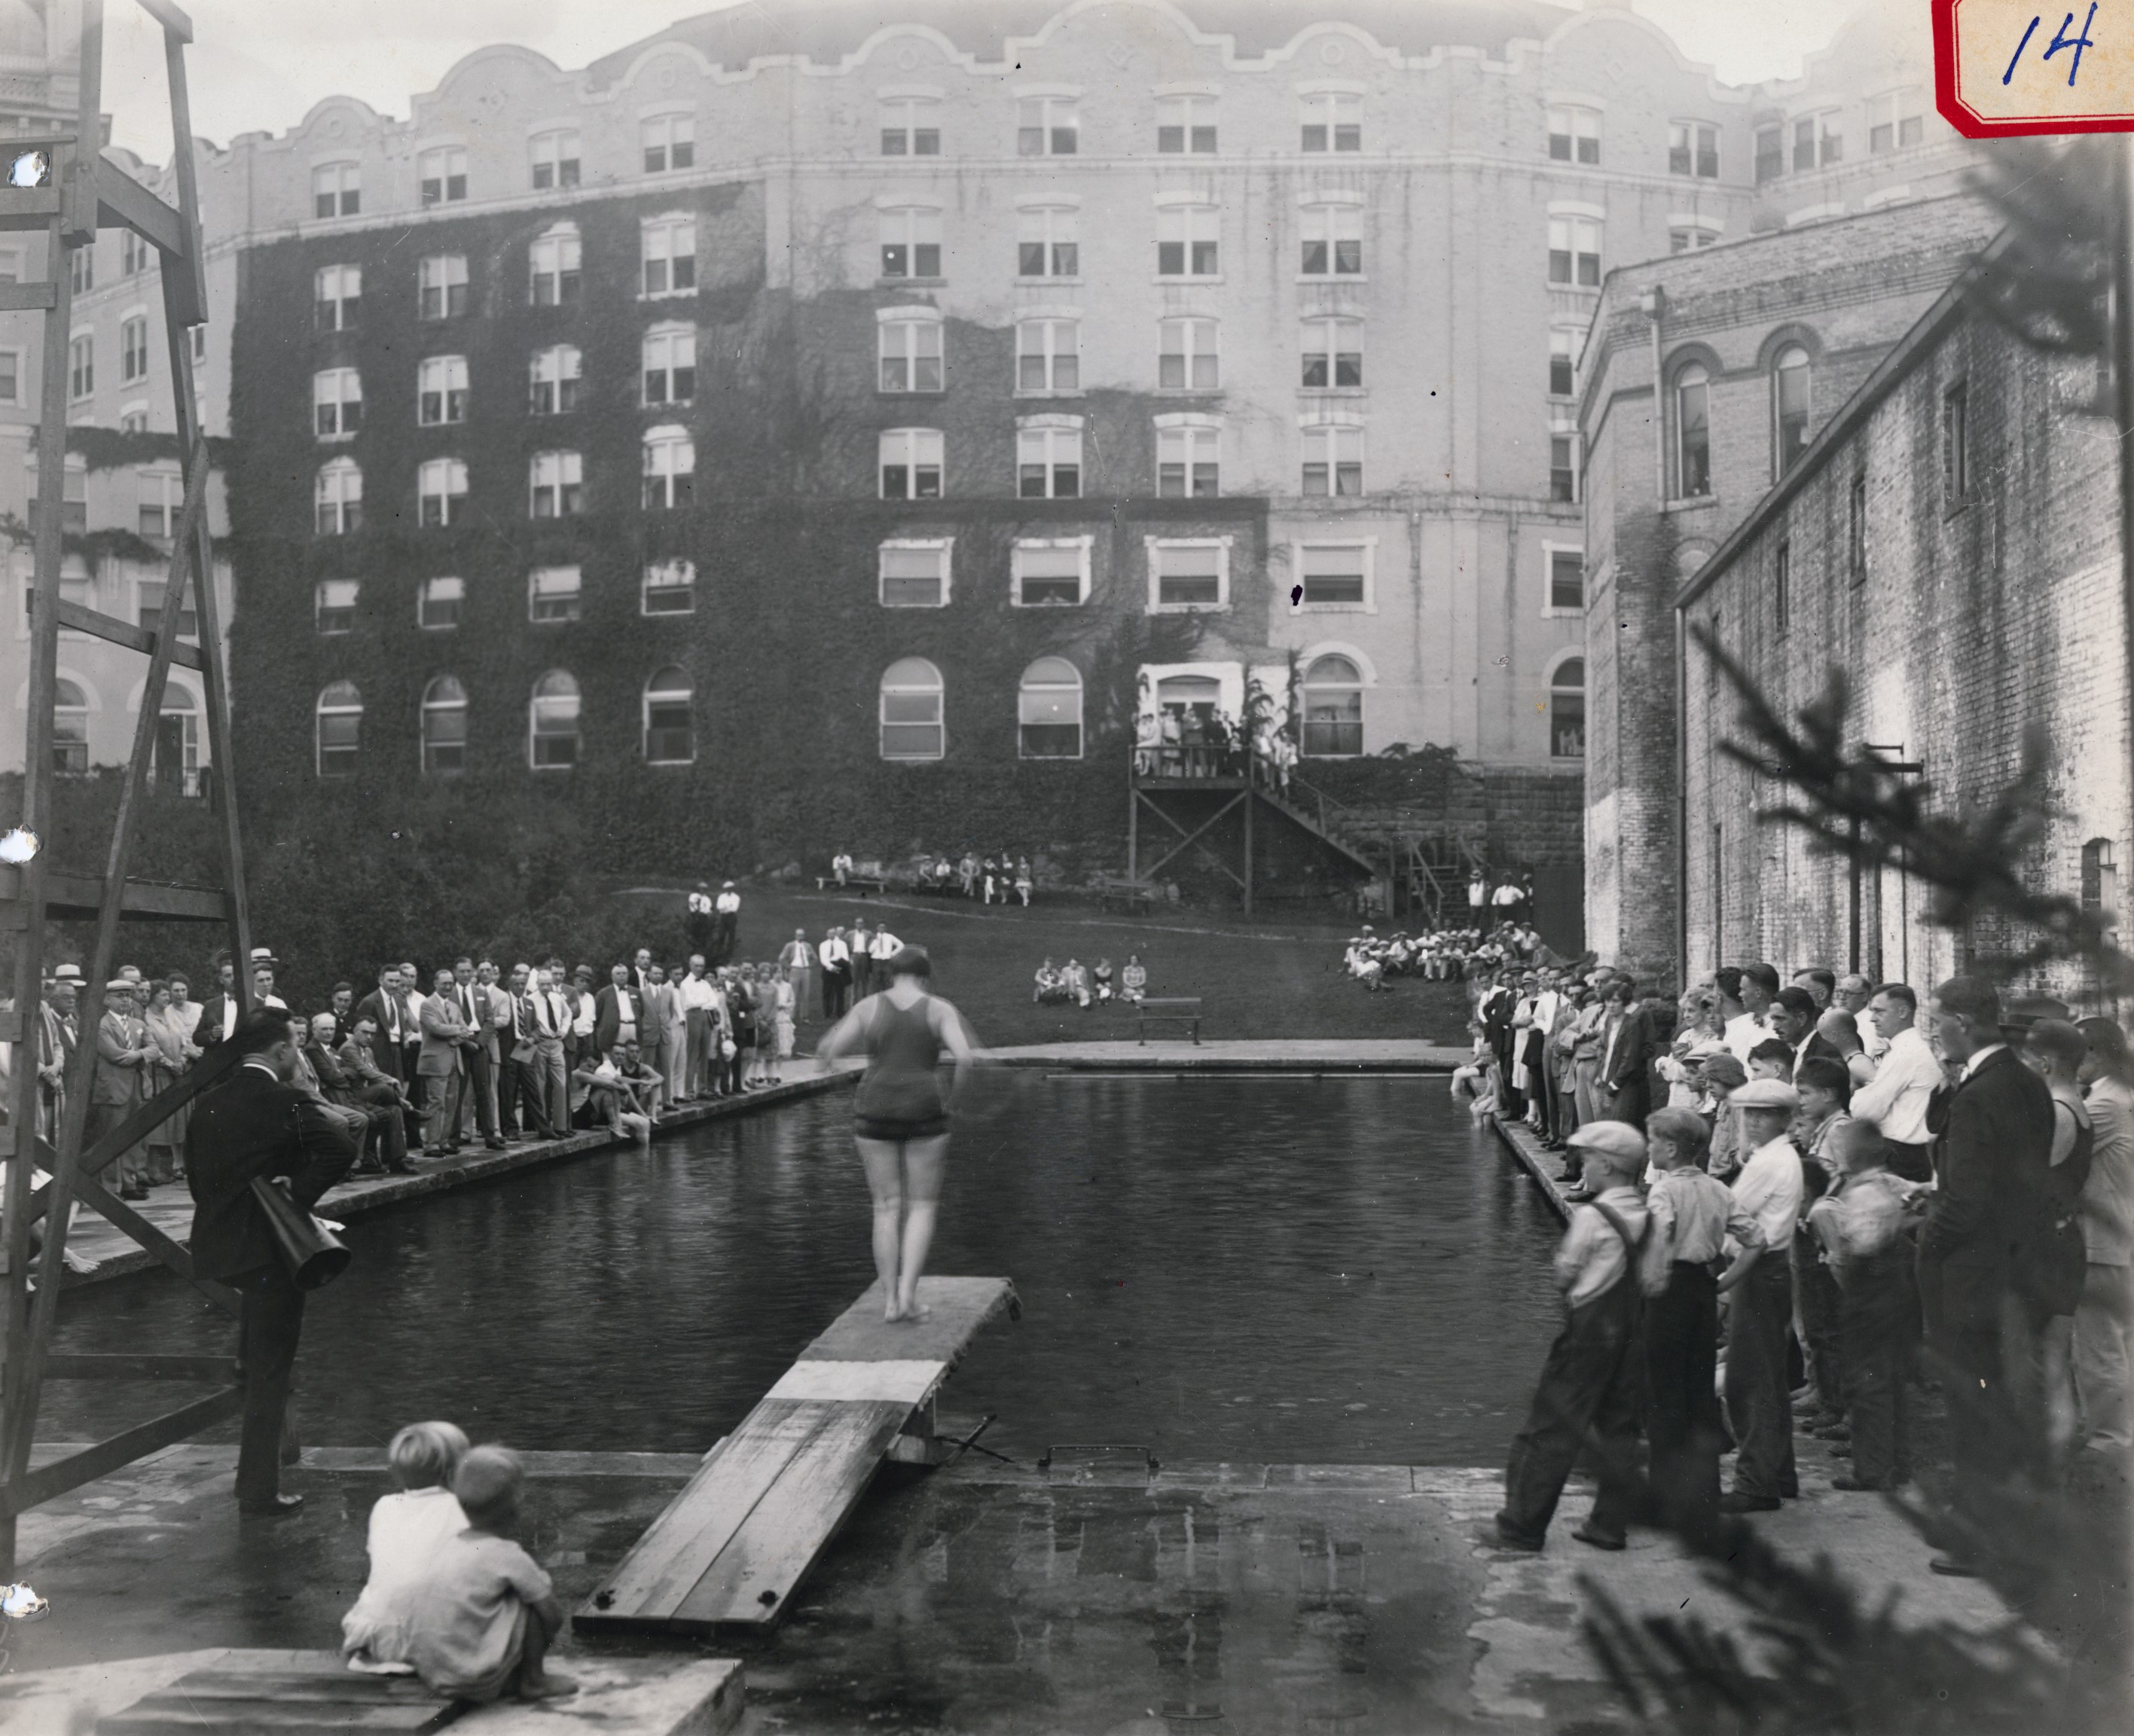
[[1438, 955], [1076, 984], [1001, 877]]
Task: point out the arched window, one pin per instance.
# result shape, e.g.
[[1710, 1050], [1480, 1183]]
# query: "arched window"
[[911, 711], [340, 728], [444, 727], [670, 467], [2100, 881], [1048, 709], [338, 497], [1333, 708], [1567, 710], [670, 730], [70, 728], [174, 764], [1789, 406], [551, 722], [1692, 432]]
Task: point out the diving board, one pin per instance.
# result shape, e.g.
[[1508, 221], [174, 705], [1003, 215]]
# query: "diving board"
[[733, 1546]]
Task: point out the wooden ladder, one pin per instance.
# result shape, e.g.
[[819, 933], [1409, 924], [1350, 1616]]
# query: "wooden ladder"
[[59, 184]]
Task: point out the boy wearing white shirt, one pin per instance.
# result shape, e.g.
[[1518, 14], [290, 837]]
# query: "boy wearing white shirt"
[[1759, 1398]]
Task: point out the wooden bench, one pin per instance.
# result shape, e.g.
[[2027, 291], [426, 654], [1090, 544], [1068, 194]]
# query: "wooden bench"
[[1116, 891], [1176, 1008], [862, 881], [732, 1548]]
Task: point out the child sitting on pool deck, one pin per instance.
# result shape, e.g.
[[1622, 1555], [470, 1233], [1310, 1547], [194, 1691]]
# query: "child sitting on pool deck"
[[1477, 1081], [483, 1616], [407, 1529]]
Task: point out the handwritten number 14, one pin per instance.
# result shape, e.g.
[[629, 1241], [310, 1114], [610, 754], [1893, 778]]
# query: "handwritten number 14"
[[2061, 40]]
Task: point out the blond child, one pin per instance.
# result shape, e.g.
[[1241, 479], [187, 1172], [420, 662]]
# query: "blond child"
[[406, 1529], [483, 1615]]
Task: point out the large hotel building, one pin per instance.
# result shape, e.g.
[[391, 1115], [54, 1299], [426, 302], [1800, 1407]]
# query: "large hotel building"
[[832, 424]]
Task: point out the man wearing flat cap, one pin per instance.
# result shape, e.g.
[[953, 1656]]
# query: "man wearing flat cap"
[[1758, 1398], [1590, 1383]]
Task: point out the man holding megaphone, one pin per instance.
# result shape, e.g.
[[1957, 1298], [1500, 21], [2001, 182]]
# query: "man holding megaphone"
[[258, 1127]]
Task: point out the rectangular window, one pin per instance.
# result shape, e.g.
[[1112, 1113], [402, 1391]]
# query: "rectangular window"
[[1185, 125], [1563, 465], [337, 292], [911, 464], [1332, 575], [81, 267], [670, 365], [133, 254], [336, 190], [1048, 463], [669, 252], [438, 603], [555, 380], [1574, 134], [1955, 441], [149, 594], [1574, 251], [1693, 149], [1333, 241], [335, 601], [442, 286], [336, 403], [555, 158], [552, 594], [914, 575], [670, 588], [670, 470], [1333, 122], [1782, 580], [443, 175], [557, 485], [1690, 240], [1188, 575], [1047, 126], [1186, 356], [161, 495], [910, 126], [911, 242], [1856, 534], [1332, 460], [1332, 353], [910, 355], [133, 349], [81, 366], [554, 263], [1562, 362], [11, 376], [1050, 575], [1048, 243], [1187, 464], [1818, 139], [441, 489], [1895, 121], [1048, 355], [441, 391], [1186, 241], [1771, 153], [670, 142], [1567, 580]]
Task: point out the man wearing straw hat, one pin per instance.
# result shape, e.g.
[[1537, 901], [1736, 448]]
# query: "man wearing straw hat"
[[122, 1052]]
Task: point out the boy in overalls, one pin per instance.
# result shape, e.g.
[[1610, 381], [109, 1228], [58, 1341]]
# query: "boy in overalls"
[[1589, 1390]]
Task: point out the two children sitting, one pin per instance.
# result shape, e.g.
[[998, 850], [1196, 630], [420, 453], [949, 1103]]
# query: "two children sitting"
[[451, 1598]]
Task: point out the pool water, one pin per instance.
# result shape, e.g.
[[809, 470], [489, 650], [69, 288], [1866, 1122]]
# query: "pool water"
[[1244, 1268]]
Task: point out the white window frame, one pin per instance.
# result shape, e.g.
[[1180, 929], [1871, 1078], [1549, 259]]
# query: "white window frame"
[[1186, 124], [1152, 549], [1331, 221], [669, 353], [335, 392], [426, 708], [1188, 221], [1905, 107], [1051, 437], [346, 502], [913, 119], [1564, 342], [536, 591], [562, 470], [443, 168], [1563, 427], [1190, 432], [1081, 690], [669, 468], [319, 609], [159, 585], [1048, 121], [1050, 336], [669, 243], [896, 341], [1578, 124], [913, 451], [1369, 549], [424, 598], [441, 274], [444, 378], [908, 225], [81, 366], [1191, 330], [12, 375], [1366, 679], [160, 488], [559, 153], [1696, 130], [445, 481], [133, 414], [556, 257], [1549, 549], [1050, 225], [346, 283], [1827, 127], [943, 547], [680, 579], [1336, 111], [133, 344], [1330, 334], [1575, 225], [1551, 687], [671, 132], [1701, 230], [321, 711], [560, 366], [1329, 434], [645, 714], [1082, 546], [135, 253], [938, 691], [535, 700], [343, 178]]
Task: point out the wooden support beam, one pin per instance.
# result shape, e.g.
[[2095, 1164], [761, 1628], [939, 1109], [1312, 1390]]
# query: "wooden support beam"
[[28, 298], [174, 21], [113, 631], [28, 208], [78, 898], [122, 202], [40, 1485], [1193, 838], [101, 1199]]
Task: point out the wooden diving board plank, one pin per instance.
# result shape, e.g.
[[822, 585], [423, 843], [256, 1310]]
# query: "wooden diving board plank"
[[767, 1501]]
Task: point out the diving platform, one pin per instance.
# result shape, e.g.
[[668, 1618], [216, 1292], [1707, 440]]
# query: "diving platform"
[[731, 1549]]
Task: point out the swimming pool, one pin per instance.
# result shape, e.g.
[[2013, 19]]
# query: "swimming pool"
[[1239, 1267]]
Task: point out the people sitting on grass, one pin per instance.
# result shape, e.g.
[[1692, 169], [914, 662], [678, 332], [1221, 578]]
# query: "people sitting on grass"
[[1133, 980], [1049, 990], [408, 1529], [1074, 979], [1100, 980]]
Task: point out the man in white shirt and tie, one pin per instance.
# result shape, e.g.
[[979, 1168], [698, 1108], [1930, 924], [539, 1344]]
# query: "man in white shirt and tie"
[[1905, 1079], [1752, 1024], [700, 1004], [884, 947], [836, 959], [728, 909], [796, 959], [552, 1023]]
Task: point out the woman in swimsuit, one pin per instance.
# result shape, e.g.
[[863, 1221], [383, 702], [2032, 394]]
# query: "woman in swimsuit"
[[901, 1125]]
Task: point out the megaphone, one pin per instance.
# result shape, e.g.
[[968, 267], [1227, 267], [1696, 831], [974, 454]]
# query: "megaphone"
[[313, 1253]]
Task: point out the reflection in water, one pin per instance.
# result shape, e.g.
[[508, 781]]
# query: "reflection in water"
[[1239, 1269]]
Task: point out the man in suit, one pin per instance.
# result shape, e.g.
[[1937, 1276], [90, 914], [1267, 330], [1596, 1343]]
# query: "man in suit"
[[640, 969], [122, 1052], [1793, 1016], [837, 961], [386, 1009], [259, 1125], [478, 1048], [796, 959], [617, 1017], [1991, 1162], [442, 1066], [370, 1085], [55, 1048], [1625, 1053], [550, 1012], [660, 1036], [859, 941]]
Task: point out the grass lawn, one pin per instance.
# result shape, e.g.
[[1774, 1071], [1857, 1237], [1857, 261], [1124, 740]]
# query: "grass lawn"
[[1280, 978]]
